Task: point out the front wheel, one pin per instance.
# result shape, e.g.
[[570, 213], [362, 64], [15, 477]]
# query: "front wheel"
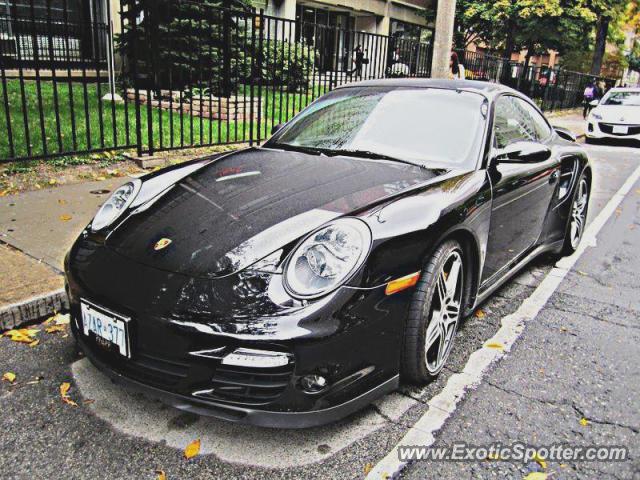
[[434, 314], [578, 217]]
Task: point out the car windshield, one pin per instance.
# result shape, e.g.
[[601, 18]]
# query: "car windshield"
[[426, 126], [623, 98]]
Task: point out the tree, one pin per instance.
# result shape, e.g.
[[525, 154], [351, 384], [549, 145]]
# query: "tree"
[[608, 12]]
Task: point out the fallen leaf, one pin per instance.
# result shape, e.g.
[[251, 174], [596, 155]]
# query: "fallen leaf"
[[64, 388], [9, 377], [192, 449], [539, 460], [34, 343], [62, 202], [65, 218], [88, 401], [584, 422], [22, 335], [52, 181], [68, 401], [55, 328], [536, 476], [367, 468], [479, 314], [161, 475], [563, 329], [584, 274], [496, 345]]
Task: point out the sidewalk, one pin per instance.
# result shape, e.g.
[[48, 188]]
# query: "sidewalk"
[[571, 120]]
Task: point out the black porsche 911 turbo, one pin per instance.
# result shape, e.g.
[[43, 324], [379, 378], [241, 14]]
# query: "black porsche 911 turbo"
[[292, 284]]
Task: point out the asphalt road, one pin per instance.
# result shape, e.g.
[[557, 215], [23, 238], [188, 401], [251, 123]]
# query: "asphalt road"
[[578, 359]]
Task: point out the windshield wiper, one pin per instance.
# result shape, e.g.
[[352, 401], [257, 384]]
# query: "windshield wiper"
[[372, 155], [299, 148]]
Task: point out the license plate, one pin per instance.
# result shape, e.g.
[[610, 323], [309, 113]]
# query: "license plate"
[[620, 129], [106, 326]]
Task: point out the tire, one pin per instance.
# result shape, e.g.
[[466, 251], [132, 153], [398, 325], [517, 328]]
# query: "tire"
[[420, 364], [576, 223]]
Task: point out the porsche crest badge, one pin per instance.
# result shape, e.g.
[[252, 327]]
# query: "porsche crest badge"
[[162, 243]]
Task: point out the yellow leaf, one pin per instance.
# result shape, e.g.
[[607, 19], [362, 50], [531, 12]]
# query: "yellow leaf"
[[536, 476], [62, 202], [479, 314], [55, 328], [9, 377], [68, 401], [161, 475], [100, 178], [52, 181], [539, 460], [584, 422], [64, 388], [65, 218], [496, 345], [192, 449], [34, 343], [367, 468], [22, 335]]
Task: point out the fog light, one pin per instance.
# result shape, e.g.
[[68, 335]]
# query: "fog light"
[[313, 383]]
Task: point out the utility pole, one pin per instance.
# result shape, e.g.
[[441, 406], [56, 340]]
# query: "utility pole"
[[443, 38]]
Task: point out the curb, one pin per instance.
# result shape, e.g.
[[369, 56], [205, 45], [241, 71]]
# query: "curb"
[[34, 308]]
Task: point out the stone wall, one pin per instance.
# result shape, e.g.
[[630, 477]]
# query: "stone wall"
[[205, 106]]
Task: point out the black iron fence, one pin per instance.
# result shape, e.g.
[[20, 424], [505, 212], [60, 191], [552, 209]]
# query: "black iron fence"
[[193, 75]]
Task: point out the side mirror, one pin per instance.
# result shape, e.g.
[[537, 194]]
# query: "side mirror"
[[566, 134], [594, 103], [275, 128], [522, 152]]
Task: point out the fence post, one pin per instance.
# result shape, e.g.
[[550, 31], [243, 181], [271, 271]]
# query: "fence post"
[[132, 6], [259, 70], [252, 76]]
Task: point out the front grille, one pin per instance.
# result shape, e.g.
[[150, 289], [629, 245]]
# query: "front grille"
[[608, 128], [247, 386], [156, 371]]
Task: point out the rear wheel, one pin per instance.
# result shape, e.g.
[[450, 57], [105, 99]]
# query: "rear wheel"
[[577, 217], [434, 314]]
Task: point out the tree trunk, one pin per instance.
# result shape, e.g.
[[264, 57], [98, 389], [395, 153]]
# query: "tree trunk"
[[509, 43], [602, 29]]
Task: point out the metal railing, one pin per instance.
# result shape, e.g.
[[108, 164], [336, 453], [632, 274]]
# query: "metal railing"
[[194, 75]]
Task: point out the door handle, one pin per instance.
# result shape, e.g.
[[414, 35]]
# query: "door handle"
[[553, 178]]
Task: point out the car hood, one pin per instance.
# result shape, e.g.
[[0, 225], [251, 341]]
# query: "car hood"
[[225, 214], [619, 114]]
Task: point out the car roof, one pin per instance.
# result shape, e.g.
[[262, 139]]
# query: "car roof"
[[488, 89], [625, 89]]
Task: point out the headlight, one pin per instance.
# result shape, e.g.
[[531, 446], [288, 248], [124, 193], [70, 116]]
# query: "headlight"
[[327, 258], [116, 204], [597, 116]]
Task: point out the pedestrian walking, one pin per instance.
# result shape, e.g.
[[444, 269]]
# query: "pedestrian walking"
[[588, 96], [359, 60], [456, 69]]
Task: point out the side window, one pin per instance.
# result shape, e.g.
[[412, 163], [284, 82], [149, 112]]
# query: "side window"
[[512, 122], [542, 129]]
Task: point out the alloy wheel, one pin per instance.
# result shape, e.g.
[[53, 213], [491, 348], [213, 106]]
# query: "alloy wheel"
[[578, 213], [445, 312]]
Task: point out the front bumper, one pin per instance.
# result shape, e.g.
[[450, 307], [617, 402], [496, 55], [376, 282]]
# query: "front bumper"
[[601, 130], [352, 338], [250, 416]]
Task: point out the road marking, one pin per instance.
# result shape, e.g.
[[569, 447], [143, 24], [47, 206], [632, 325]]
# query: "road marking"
[[442, 406]]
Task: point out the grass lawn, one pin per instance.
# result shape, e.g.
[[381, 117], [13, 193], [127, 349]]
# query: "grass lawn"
[[94, 126]]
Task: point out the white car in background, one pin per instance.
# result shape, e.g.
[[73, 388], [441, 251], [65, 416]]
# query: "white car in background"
[[617, 115]]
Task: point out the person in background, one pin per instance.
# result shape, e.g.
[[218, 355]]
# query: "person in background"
[[588, 96], [359, 57], [456, 69]]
